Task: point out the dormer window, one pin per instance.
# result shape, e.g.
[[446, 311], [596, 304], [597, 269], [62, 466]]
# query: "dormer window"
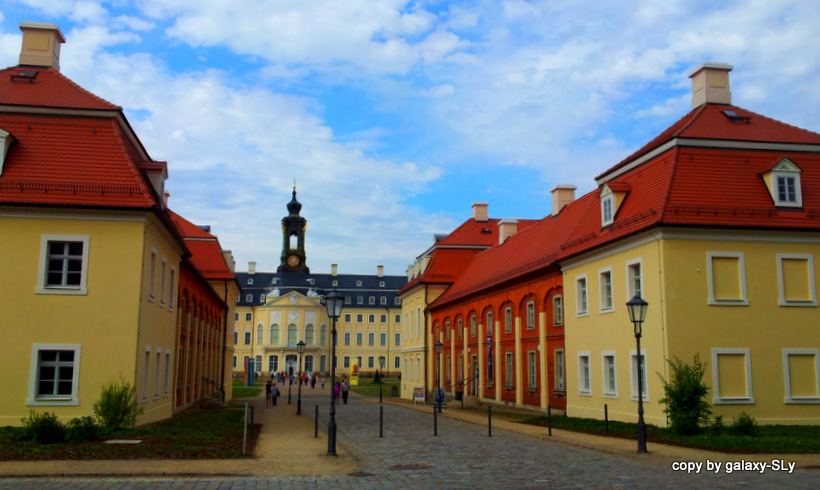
[[5, 141], [335, 283], [606, 210], [358, 284], [783, 181], [612, 195], [250, 281]]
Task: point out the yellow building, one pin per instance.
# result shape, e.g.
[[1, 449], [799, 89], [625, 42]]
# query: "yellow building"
[[90, 258], [276, 310], [716, 224]]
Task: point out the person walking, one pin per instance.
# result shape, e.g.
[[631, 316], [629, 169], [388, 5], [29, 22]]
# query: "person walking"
[[268, 386], [323, 383], [345, 388], [274, 393], [337, 389]]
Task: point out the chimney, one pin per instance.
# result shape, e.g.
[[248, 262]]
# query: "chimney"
[[251, 267], [381, 270], [480, 211], [334, 269], [165, 198], [506, 229], [409, 273], [710, 84], [41, 45], [228, 256], [562, 195]]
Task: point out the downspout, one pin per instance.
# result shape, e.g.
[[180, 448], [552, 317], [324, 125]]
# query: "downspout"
[[224, 338]]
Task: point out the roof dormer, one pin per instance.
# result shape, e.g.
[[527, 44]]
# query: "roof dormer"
[[783, 182], [612, 195], [6, 139]]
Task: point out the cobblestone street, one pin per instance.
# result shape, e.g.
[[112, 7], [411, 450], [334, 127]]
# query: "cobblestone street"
[[462, 456]]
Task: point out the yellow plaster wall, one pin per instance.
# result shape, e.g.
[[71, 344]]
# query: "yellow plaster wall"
[[413, 362]]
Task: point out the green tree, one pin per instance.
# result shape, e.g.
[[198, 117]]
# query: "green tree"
[[117, 407], [686, 408]]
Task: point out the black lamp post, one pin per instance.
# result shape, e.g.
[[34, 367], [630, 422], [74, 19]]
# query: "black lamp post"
[[381, 368], [333, 302], [300, 348], [637, 314], [439, 350]]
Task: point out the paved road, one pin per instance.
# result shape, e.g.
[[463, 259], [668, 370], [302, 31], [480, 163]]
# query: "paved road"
[[462, 456]]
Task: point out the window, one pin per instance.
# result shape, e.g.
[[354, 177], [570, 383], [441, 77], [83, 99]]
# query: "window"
[[236, 337], [248, 298], [371, 363], [801, 369], [167, 378], [262, 298], [335, 283], [606, 209], [609, 374], [236, 316], [247, 337], [293, 333], [358, 284], [310, 338], [532, 374], [323, 336], [396, 363], [273, 364], [795, 277], [508, 320], [786, 190], [63, 267], [322, 363], [259, 334], [274, 335], [146, 375], [557, 310], [473, 327], [383, 300], [250, 281], [152, 273], [785, 180], [258, 364], [397, 301], [459, 328], [419, 319], [383, 319], [447, 330], [584, 382], [559, 370], [348, 300], [726, 273], [509, 369], [359, 361], [346, 362], [381, 284], [347, 318], [347, 338], [359, 338], [605, 282], [248, 317], [360, 318], [633, 361], [397, 319], [171, 285], [234, 362], [732, 376], [383, 339], [581, 302], [490, 323], [371, 318], [371, 338], [634, 280], [371, 300], [530, 315], [397, 339], [162, 279], [54, 375]]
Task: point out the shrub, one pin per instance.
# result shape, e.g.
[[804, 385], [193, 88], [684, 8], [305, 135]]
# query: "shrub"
[[743, 425], [117, 407], [717, 427], [685, 405], [377, 378], [83, 429], [44, 428]]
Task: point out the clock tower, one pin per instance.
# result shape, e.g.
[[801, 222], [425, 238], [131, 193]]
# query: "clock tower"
[[293, 236]]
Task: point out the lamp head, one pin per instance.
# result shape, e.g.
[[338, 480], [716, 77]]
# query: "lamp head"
[[333, 303], [439, 347], [636, 307], [300, 347]]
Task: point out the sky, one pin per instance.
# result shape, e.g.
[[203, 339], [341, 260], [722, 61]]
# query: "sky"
[[394, 117]]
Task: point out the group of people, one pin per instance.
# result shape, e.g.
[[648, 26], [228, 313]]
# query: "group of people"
[[340, 390]]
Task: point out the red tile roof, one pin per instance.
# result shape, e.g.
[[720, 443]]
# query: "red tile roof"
[[206, 253], [49, 88]]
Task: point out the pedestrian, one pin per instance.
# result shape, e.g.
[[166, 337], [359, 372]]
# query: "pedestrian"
[[345, 388], [337, 390], [274, 393], [323, 383], [267, 394], [313, 382]]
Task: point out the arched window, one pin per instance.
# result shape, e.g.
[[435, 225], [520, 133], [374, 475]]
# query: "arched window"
[[274, 335], [292, 334], [259, 334], [309, 340]]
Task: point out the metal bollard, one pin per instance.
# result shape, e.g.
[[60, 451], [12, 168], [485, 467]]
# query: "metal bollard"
[[435, 420], [381, 420], [606, 418], [489, 421], [316, 423], [245, 432], [549, 418]]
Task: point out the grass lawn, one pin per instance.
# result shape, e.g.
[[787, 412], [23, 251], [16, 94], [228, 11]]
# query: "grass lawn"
[[366, 386], [207, 434], [765, 438], [242, 391]]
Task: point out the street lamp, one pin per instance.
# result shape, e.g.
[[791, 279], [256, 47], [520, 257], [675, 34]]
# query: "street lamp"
[[439, 350], [637, 314], [333, 302], [381, 368], [300, 348]]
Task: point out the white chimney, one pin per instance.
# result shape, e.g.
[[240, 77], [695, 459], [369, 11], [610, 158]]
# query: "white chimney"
[[251, 267], [710, 84], [41, 45], [228, 256], [334, 269], [381, 270], [506, 229], [562, 195], [480, 211], [409, 273]]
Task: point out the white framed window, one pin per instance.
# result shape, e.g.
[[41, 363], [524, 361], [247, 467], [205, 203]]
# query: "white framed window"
[[397, 339], [786, 182], [382, 318], [247, 337], [419, 320], [383, 339], [633, 368], [460, 328], [559, 370], [236, 317], [473, 326], [581, 299], [157, 371], [310, 334], [584, 381], [607, 206], [726, 276], [273, 363], [166, 383], [146, 375], [609, 374], [262, 298], [532, 372], [273, 336], [323, 335], [309, 363], [54, 375], [347, 318], [171, 285], [795, 279], [248, 298], [359, 339], [152, 275], [634, 278], [236, 337], [605, 284], [63, 266], [557, 310], [397, 318], [801, 369], [360, 300], [358, 284], [383, 300], [260, 334], [371, 318], [732, 376], [346, 362], [507, 319], [163, 268], [531, 315], [371, 362], [371, 338], [248, 316], [490, 323], [347, 338], [234, 362], [371, 300], [396, 362], [508, 368], [360, 318], [348, 300], [293, 333]]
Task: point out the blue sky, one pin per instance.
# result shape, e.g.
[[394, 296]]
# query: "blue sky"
[[395, 117]]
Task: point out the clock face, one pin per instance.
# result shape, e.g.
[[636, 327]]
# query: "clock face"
[[293, 261]]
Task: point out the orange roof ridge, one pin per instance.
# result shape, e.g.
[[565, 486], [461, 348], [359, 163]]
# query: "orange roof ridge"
[[50, 89], [90, 94], [142, 179]]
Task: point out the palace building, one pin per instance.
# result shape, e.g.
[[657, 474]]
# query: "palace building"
[[276, 310]]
